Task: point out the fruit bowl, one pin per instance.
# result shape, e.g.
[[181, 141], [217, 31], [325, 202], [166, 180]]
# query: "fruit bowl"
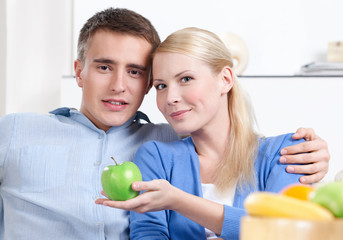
[[268, 228]]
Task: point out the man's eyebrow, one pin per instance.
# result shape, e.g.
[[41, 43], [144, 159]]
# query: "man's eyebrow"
[[103, 60], [137, 66], [109, 61]]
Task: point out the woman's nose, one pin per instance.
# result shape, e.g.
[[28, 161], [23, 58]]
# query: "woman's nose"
[[173, 96]]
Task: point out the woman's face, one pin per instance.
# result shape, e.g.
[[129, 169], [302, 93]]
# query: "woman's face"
[[189, 95]]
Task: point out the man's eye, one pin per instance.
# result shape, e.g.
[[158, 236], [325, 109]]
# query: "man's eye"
[[104, 68], [186, 79], [160, 86], [135, 72]]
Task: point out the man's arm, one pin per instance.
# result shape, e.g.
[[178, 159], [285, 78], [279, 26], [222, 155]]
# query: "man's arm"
[[313, 152]]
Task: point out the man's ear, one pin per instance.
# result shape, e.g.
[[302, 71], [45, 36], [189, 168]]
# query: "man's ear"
[[149, 85], [78, 69], [227, 79]]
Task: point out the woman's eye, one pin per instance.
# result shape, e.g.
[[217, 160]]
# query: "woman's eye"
[[185, 79], [160, 86]]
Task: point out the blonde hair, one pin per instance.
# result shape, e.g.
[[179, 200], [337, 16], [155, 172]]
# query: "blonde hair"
[[238, 166]]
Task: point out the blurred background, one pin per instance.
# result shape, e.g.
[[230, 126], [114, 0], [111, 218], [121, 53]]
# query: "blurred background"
[[276, 41]]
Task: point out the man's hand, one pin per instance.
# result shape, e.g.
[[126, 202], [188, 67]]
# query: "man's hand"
[[314, 153]]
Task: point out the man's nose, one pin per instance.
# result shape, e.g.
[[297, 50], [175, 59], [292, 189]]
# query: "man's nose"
[[118, 82]]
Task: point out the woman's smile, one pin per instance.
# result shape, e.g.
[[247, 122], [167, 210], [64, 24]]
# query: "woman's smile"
[[178, 115]]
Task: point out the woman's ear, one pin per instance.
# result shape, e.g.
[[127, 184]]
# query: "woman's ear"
[[78, 69], [227, 79]]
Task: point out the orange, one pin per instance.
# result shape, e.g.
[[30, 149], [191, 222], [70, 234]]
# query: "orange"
[[299, 191]]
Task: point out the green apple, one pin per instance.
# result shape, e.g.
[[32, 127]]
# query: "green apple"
[[330, 196], [116, 180]]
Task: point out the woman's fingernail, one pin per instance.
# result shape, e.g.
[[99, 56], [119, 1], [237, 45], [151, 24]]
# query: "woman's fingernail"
[[283, 160], [283, 151], [290, 169]]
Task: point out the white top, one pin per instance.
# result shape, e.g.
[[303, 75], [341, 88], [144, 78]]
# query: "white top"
[[209, 192]]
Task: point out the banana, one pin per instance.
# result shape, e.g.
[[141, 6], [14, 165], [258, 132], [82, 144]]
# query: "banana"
[[277, 205]]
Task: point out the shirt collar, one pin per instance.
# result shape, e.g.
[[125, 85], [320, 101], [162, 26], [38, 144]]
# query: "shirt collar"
[[80, 117]]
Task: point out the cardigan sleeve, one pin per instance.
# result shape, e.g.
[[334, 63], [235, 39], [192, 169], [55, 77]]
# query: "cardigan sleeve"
[[271, 175], [231, 224], [150, 225], [277, 177]]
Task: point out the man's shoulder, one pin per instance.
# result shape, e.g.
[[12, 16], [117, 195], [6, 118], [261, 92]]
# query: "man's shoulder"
[[160, 132], [175, 146], [29, 119], [158, 126], [24, 116], [270, 147]]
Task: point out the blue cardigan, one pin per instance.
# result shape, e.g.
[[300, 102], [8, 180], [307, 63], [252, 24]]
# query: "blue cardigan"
[[178, 163]]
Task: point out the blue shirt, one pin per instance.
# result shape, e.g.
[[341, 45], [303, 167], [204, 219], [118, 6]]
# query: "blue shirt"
[[178, 163], [50, 171]]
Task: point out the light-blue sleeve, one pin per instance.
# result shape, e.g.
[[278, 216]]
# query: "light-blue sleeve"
[[151, 225], [6, 133]]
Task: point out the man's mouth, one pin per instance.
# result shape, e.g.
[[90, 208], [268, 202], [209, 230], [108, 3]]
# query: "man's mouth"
[[116, 103]]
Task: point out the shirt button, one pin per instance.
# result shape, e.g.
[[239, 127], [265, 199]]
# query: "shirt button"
[[101, 136], [97, 163]]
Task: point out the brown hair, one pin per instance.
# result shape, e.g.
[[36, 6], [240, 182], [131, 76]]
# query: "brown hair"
[[117, 20]]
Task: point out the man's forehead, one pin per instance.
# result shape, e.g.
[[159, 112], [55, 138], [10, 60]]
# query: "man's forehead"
[[119, 49]]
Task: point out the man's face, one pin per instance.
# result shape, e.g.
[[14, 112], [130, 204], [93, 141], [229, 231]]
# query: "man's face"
[[113, 77]]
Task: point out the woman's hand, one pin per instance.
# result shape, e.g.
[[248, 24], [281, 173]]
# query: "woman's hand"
[[314, 153], [161, 195], [158, 195]]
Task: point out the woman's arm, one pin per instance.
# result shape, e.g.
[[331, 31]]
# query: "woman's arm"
[[314, 153], [161, 195]]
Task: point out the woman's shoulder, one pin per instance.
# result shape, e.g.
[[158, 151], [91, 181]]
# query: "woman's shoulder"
[[277, 142], [270, 147]]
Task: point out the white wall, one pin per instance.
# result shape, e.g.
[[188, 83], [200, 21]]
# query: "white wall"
[[2, 57], [284, 104], [281, 36], [38, 36]]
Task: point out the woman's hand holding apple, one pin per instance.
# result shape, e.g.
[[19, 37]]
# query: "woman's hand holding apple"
[[158, 195]]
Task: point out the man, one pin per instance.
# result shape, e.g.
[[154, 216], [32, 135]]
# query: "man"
[[50, 166]]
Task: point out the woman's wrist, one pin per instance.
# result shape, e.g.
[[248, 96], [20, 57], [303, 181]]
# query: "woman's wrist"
[[175, 198]]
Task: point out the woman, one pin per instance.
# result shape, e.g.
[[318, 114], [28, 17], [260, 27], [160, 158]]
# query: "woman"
[[200, 182]]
